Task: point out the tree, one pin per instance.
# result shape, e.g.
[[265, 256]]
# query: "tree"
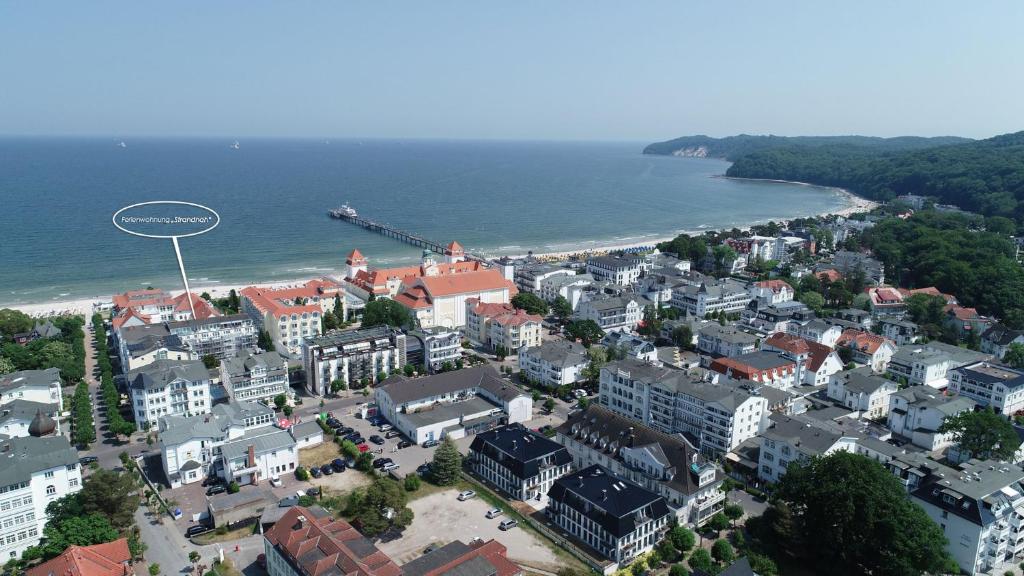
[[84, 530], [733, 512], [667, 551], [651, 322], [682, 336], [983, 434], [587, 331], [701, 560], [385, 311], [264, 341], [112, 494], [682, 538], [409, 370], [561, 308], [411, 483], [531, 303], [193, 557], [852, 516], [447, 463], [14, 321], [380, 507], [210, 361], [813, 300], [722, 551], [154, 569], [337, 385], [233, 487], [301, 473], [549, 404], [6, 365], [598, 358], [287, 410], [364, 462], [349, 449], [1014, 356], [280, 400], [762, 565], [678, 570]]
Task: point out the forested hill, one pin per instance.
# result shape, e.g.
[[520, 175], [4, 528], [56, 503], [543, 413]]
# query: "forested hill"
[[985, 176], [734, 147]]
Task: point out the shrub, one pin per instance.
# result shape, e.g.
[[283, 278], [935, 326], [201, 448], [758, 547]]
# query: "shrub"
[[412, 483], [301, 473], [678, 570], [233, 487]]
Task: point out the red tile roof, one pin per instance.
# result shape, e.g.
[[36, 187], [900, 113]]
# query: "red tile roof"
[[414, 298], [327, 546], [98, 560], [354, 256], [775, 286], [375, 281], [466, 283], [455, 248], [278, 301], [830, 274], [492, 551], [816, 352], [127, 315], [858, 339]]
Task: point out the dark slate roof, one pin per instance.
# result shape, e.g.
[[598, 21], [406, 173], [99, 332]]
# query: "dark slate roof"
[[436, 559], [162, 372], [611, 502], [520, 450], [403, 390], [1001, 335], [597, 423], [21, 457], [40, 378], [740, 567]]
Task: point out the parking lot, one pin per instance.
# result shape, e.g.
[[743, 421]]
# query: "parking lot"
[[464, 521]]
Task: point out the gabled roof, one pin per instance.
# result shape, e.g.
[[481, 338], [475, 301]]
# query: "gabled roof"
[[109, 559], [520, 450], [1001, 335], [324, 546], [817, 353], [614, 504], [860, 340]]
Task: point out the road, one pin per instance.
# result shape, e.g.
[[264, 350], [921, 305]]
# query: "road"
[[168, 547]]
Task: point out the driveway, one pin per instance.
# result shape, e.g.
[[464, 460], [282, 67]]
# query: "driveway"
[[751, 506], [440, 518]]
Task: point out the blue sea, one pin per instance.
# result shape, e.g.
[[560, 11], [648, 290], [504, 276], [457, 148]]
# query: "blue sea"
[[58, 196]]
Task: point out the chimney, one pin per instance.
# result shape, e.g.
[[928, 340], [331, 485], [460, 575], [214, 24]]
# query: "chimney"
[[604, 495], [252, 456]]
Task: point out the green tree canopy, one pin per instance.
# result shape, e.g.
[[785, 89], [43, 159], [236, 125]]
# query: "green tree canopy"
[[587, 331], [983, 434], [722, 551], [531, 303], [447, 463], [14, 321], [383, 505], [850, 516], [561, 308], [1014, 355], [384, 311]]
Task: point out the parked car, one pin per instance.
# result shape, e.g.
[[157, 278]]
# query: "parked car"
[[344, 431], [376, 439], [404, 444], [423, 469], [386, 427], [392, 434], [196, 530], [363, 447], [380, 462], [338, 464], [312, 491], [357, 439], [90, 459], [300, 493], [508, 525], [493, 513], [333, 422], [275, 481], [327, 469], [216, 489], [210, 481], [375, 420], [466, 495], [431, 443], [390, 466], [315, 472]]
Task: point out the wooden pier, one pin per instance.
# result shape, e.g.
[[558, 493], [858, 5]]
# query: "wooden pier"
[[392, 232]]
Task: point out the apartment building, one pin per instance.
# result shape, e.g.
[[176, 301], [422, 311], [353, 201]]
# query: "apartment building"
[[255, 376], [290, 315], [564, 285], [554, 363], [770, 368], [496, 325], [153, 306], [218, 336], [719, 340], [902, 332], [998, 338], [771, 292], [862, 390], [616, 518], [442, 300], [867, 349], [364, 282], [917, 413], [710, 297], [717, 412], [169, 387], [351, 355], [815, 329], [312, 542], [519, 461], [433, 348], [990, 385], [796, 439], [40, 386], [620, 270], [35, 472], [662, 463], [613, 312], [139, 346], [815, 362]]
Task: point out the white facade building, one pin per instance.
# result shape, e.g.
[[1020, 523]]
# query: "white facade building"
[[796, 439], [612, 312], [249, 376], [917, 413], [862, 390], [621, 270], [554, 363], [41, 386], [351, 355], [169, 387], [990, 385]]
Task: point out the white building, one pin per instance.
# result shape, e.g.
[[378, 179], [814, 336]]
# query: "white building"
[[719, 412], [562, 285], [917, 413], [519, 461], [433, 348], [616, 518], [815, 363], [530, 276], [980, 509], [796, 439], [621, 270], [455, 404], [998, 338], [261, 376], [554, 363], [662, 463], [771, 292], [817, 330], [140, 346], [192, 448], [169, 387], [35, 472], [440, 300], [612, 312], [709, 297], [351, 355], [290, 315], [630, 346], [41, 386], [990, 385], [720, 340], [495, 325], [862, 390]]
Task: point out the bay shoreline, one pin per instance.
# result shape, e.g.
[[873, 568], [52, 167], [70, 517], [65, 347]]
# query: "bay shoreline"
[[84, 306]]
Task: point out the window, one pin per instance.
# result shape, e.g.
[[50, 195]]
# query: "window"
[[51, 490], [48, 474], [73, 482]]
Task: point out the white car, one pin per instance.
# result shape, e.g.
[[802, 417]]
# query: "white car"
[[386, 427], [390, 466], [493, 513], [300, 493], [463, 496], [275, 481]]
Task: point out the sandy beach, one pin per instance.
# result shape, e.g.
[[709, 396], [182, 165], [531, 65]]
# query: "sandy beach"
[[85, 306]]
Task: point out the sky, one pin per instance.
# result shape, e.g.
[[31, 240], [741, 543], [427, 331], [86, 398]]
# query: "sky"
[[522, 69]]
